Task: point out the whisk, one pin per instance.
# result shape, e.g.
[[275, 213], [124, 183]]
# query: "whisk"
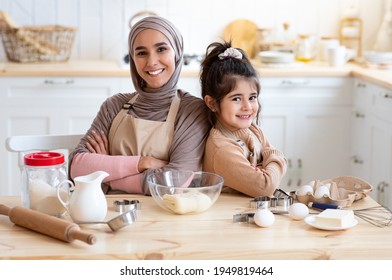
[[379, 215]]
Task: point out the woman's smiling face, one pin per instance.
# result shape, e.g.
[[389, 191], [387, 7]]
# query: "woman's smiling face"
[[154, 58]]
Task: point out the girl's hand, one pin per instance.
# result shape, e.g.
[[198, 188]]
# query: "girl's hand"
[[97, 143], [149, 162]]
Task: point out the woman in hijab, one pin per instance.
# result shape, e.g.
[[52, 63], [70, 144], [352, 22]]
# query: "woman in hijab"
[[159, 127]]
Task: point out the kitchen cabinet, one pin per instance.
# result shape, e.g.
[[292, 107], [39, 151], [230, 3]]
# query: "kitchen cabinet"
[[309, 120], [381, 160], [190, 84], [40, 105], [52, 105], [360, 131], [372, 132]]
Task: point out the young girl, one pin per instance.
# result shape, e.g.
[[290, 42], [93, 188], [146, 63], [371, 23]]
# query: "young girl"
[[236, 147]]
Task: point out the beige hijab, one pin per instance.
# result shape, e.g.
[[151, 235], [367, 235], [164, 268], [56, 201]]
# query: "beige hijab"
[[157, 100]]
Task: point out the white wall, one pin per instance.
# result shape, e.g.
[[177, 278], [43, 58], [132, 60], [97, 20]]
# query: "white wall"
[[103, 24]]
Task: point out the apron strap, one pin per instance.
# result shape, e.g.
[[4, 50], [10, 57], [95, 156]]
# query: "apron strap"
[[129, 104], [174, 108]]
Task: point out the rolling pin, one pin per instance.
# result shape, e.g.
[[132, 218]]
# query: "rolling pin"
[[46, 224]]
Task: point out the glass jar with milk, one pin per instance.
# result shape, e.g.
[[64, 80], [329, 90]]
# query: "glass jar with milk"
[[42, 174]]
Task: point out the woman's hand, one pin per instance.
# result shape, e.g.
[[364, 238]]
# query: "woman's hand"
[[149, 162], [97, 143]]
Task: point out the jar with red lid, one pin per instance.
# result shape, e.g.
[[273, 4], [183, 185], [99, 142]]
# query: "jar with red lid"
[[42, 174]]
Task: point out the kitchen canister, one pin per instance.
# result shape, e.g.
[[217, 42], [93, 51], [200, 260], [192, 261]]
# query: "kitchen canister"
[[42, 174], [323, 45], [305, 48]]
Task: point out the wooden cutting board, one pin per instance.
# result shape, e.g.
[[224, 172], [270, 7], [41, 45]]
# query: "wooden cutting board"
[[242, 33]]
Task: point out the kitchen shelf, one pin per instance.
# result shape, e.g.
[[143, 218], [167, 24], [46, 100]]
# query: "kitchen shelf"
[[354, 26]]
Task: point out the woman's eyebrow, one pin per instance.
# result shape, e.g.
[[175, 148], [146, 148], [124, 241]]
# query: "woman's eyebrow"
[[156, 45], [161, 44]]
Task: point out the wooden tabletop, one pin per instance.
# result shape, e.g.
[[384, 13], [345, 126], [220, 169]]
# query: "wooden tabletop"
[[210, 235]]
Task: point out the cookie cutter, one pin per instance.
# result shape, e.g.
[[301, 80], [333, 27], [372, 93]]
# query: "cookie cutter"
[[280, 198], [126, 205], [293, 194], [260, 202], [283, 198], [281, 193], [284, 201], [243, 218]]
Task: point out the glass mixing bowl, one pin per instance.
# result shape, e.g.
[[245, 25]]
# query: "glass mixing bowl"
[[185, 192]]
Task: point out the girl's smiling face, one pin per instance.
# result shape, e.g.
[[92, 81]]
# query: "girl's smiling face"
[[154, 58], [239, 108]]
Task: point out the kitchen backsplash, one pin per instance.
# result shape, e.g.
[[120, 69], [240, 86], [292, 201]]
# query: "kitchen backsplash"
[[103, 24]]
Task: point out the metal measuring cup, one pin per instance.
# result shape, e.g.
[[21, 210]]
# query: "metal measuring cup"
[[119, 221]]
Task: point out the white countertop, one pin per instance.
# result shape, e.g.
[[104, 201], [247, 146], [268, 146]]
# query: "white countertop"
[[106, 68]]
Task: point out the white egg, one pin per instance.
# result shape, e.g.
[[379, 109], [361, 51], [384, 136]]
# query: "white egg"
[[298, 211], [304, 190], [321, 192], [264, 218], [311, 183]]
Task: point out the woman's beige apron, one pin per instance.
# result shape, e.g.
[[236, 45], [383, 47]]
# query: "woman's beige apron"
[[132, 136]]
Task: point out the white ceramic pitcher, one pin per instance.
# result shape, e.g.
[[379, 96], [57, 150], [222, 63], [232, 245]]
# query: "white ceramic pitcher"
[[87, 202]]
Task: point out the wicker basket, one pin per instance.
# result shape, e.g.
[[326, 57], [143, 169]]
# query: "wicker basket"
[[38, 43]]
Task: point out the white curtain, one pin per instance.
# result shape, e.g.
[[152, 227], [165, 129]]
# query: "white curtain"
[[384, 36]]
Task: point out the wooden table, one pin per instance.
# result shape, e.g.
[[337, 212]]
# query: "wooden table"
[[210, 235]]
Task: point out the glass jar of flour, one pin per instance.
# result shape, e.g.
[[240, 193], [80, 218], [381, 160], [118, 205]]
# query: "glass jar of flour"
[[42, 174]]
